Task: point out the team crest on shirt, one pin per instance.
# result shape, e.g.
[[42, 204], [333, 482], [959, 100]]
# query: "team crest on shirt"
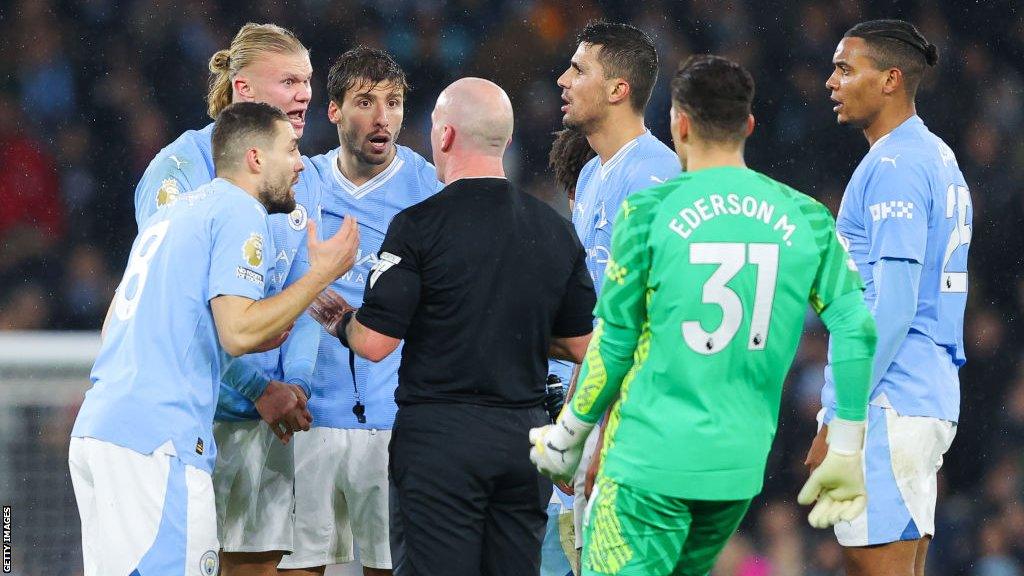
[[209, 564], [252, 250], [168, 192], [297, 218]]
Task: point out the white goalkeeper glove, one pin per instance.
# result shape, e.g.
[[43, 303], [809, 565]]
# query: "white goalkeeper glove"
[[557, 448], [838, 483]]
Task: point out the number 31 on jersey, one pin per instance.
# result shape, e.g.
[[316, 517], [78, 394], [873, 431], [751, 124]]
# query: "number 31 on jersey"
[[731, 257]]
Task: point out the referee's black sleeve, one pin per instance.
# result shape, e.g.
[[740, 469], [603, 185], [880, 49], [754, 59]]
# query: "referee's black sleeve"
[[575, 316], [393, 287]]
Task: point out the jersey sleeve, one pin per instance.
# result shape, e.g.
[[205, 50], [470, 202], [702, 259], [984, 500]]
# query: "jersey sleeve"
[[172, 173], [896, 204], [621, 311], [393, 286], [239, 258], [575, 313], [299, 351], [246, 377], [837, 274]]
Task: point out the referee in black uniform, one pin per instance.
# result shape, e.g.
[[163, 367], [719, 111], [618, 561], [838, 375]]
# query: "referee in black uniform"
[[483, 283]]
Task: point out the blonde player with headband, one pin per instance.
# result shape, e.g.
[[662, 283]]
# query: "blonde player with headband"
[[254, 473]]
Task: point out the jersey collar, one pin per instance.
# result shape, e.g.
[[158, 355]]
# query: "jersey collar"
[[616, 159], [915, 119], [370, 185]]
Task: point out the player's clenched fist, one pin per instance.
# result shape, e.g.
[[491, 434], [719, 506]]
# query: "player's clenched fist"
[[838, 483], [283, 407], [556, 448], [336, 255]]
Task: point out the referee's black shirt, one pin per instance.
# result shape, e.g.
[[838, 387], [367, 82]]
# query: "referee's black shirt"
[[477, 279]]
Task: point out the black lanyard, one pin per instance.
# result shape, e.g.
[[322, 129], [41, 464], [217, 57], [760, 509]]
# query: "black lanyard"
[[358, 408]]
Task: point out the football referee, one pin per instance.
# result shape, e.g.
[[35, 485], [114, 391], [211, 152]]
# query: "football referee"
[[483, 283]]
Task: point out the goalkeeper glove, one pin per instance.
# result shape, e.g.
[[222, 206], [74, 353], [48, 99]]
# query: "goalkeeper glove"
[[557, 448], [838, 483]]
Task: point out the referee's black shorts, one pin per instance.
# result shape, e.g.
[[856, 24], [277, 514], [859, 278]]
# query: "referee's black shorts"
[[465, 498]]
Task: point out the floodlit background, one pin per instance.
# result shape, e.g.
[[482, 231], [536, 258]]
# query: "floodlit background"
[[90, 90]]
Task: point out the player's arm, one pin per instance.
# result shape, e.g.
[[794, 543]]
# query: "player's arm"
[[391, 297], [299, 351], [621, 312], [897, 282], [244, 323], [837, 484], [574, 321], [896, 213]]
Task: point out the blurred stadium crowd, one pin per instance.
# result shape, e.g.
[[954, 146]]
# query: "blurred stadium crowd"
[[90, 90]]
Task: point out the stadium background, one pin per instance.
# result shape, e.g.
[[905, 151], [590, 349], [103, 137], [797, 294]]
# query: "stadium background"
[[90, 90]]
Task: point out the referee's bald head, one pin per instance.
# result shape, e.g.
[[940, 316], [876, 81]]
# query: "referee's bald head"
[[478, 115]]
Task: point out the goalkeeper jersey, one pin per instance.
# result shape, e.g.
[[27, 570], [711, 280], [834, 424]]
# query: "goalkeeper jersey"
[[712, 271]]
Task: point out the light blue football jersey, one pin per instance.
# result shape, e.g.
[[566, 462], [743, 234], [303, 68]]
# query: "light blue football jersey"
[[294, 361], [908, 200], [183, 166], [600, 190], [408, 180], [157, 372]]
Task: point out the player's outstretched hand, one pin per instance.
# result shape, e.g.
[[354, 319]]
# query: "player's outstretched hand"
[[328, 308], [838, 483], [556, 449], [278, 400], [336, 255]]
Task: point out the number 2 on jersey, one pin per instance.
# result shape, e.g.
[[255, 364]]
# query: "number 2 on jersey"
[[731, 257], [958, 200], [138, 269]]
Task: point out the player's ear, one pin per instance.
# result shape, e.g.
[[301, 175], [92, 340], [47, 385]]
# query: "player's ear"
[[242, 89], [254, 160], [333, 112], [893, 81], [679, 124], [618, 90], [447, 138], [750, 125]]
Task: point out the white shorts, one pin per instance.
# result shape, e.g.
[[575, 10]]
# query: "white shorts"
[[148, 513], [341, 492], [902, 456], [253, 484]]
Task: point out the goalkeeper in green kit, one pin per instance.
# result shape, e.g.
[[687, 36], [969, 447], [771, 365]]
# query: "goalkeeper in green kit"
[[702, 309]]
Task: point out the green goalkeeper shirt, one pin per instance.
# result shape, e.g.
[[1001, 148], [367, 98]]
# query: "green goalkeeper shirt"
[[702, 309]]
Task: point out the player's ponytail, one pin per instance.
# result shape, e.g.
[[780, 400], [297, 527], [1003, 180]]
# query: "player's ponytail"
[[247, 45], [219, 94]]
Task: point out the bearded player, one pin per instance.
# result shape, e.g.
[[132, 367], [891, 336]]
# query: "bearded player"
[[254, 472], [341, 464]]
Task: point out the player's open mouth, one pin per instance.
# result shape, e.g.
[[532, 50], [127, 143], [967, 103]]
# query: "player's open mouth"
[[837, 106], [565, 107], [297, 118], [379, 143]]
